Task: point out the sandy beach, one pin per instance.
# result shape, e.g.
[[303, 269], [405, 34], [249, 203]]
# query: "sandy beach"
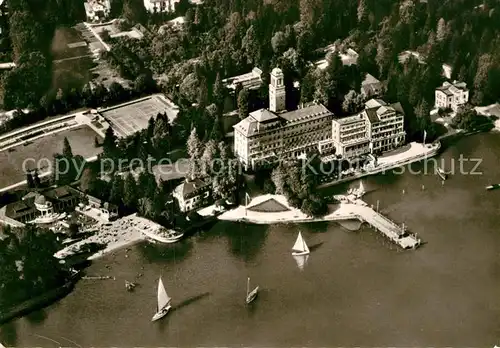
[[115, 235]]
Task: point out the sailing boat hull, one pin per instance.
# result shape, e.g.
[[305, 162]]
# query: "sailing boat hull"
[[160, 314], [253, 295], [300, 253]]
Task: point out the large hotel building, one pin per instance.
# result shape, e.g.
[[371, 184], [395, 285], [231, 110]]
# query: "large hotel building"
[[269, 134]]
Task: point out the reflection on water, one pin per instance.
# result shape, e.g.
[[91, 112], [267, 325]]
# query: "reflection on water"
[[8, 334], [351, 225], [356, 289], [166, 253], [245, 240], [37, 318]]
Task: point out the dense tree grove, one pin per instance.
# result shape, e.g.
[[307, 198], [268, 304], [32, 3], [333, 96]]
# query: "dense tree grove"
[[225, 38], [27, 267], [298, 181], [32, 24]]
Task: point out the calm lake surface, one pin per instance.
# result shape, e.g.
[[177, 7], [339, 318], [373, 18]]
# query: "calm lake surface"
[[356, 289]]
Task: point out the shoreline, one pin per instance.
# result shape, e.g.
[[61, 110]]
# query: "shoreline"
[[38, 302], [388, 165], [120, 234]]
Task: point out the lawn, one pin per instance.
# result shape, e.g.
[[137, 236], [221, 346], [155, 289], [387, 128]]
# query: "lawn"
[[42, 151], [68, 43]]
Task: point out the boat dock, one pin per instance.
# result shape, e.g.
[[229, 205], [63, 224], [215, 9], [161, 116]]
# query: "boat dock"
[[351, 207], [388, 228]]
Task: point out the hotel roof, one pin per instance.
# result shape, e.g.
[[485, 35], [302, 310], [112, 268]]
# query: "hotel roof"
[[251, 124]]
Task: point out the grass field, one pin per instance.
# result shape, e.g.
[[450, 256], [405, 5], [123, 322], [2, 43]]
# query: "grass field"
[[68, 43], [11, 161]]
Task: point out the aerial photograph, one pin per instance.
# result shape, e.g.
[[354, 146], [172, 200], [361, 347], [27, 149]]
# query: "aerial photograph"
[[249, 173]]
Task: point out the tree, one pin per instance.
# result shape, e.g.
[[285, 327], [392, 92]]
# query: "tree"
[[279, 42], [130, 193], [144, 83], [134, 11], [29, 180], [353, 102], [243, 103], [36, 179], [217, 133], [481, 79], [145, 207], [278, 177], [314, 206], [218, 92], [208, 157], [116, 191], [109, 143], [251, 46], [362, 12], [67, 152], [442, 30], [194, 148], [88, 180], [147, 184]]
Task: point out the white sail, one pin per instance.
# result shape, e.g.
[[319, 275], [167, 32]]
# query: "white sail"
[[361, 187], [301, 261], [300, 245], [163, 298]]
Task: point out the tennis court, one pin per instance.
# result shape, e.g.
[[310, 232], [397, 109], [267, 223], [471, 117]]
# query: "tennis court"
[[128, 118]]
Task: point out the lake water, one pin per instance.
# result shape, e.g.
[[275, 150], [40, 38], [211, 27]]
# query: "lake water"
[[356, 289]]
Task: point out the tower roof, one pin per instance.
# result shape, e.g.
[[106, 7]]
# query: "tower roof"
[[276, 71]]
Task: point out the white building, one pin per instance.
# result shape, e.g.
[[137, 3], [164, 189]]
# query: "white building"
[[348, 57], [97, 10], [350, 136], [157, 6], [267, 134], [451, 95], [192, 194], [386, 129], [251, 80], [378, 128]]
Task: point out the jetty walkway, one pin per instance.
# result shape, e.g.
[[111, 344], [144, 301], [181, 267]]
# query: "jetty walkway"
[[352, 209]]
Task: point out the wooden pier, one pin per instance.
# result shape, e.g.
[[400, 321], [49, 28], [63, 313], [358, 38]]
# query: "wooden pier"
[[388, 228]]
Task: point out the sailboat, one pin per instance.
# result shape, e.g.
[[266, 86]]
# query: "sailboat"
[[163, 302], [300, 246], [361, 189], [251, 295]]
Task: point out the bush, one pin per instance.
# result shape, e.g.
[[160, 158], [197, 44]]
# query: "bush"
[[269, 186]]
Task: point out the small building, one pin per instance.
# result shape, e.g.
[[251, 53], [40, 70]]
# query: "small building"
[[157, 6], [371, 87], [451, 95], [489, 110], [192, 194], [97, 10], [251, 80], [40, 205], [106, 210]]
